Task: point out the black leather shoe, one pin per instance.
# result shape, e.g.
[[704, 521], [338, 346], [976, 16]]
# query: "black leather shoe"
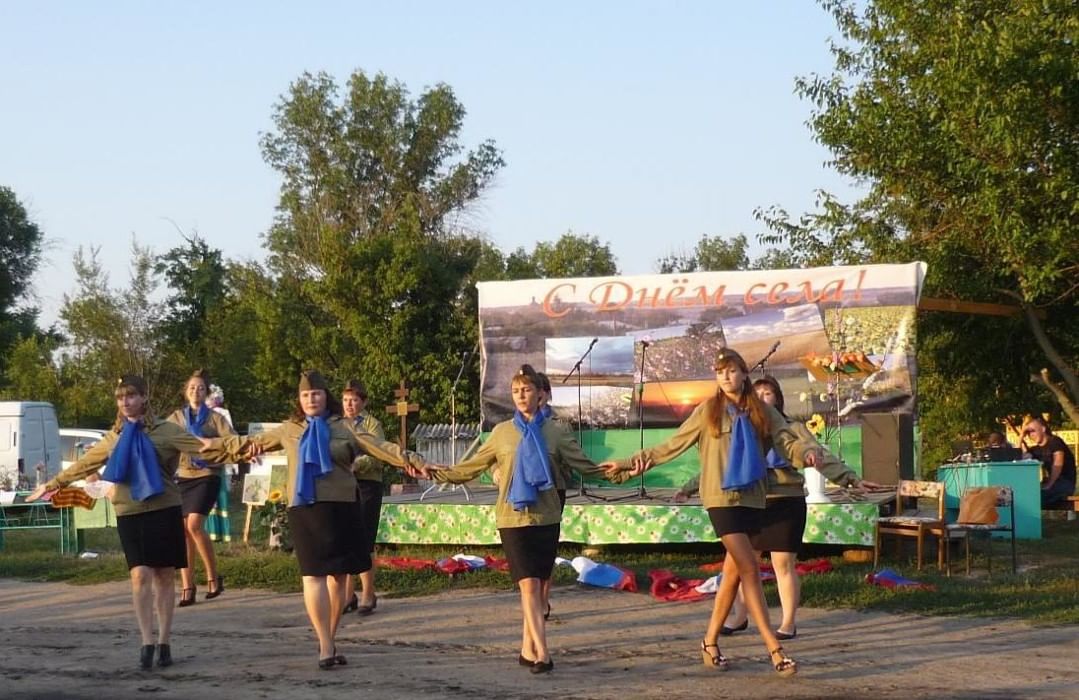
[[352, 604], [187, 597], [728, 631], [339, 659], [164, 655], [327, 664], [368, 609], [146, 657], [218, 589], [787, 635], [547, 615], [542, 667], [524, 661]]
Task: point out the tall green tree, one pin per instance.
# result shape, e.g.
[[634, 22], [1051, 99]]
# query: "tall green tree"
[[710, 253], [21, 242], [572, 255], [961, 120], [367, 269], [110, 332]]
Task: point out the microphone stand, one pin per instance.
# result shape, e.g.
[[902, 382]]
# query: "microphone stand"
[[641, 493], [582, 489], [453, 427], [761, 362]]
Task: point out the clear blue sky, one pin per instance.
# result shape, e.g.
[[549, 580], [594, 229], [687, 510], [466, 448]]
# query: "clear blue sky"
[[644, 124]]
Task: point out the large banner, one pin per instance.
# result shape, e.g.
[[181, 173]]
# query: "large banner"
[[839, 339]]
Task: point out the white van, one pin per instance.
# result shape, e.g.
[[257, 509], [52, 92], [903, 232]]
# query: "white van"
[[29, 436], [74, 442]]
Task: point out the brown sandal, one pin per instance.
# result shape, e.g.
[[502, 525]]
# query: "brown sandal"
[[786, 666], [717, 661]]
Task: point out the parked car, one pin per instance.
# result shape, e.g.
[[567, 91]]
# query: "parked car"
[[29, 444]]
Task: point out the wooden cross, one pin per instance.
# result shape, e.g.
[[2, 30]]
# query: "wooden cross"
[[402, 408]]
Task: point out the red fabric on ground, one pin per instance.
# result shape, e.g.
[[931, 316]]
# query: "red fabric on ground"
[[405, 563], [813, 566], [667, 586], [497, 564]]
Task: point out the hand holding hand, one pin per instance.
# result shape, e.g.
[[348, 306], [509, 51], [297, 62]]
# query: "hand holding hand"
[[640, 465], [610, 468]]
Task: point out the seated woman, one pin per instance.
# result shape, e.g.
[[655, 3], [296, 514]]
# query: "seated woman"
[[1058, 461]]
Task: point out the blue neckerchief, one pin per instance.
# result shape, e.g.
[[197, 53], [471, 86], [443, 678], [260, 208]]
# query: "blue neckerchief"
[[313, 459], [133, 461], [194, 426], [531, 463], [745, 463], [775, 460]]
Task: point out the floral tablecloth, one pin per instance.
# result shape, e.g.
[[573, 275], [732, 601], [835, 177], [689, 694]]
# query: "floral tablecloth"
[[409, 523]]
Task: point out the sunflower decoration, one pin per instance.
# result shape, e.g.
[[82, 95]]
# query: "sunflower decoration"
[[816, 424], [273, 518]]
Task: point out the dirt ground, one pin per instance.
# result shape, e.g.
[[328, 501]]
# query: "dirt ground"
[[61, 641]]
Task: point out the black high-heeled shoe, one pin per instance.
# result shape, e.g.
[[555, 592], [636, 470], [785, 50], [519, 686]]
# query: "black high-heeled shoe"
[[352, 604], [368, 609], [164, 655], [146, 657], [547, 615], [542, 666], [728, 631], [187, 597], [339, 659], [523, 660], [218, 589]]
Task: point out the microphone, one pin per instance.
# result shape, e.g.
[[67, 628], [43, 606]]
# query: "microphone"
[[645, 343], [774, 348], [594, 341]]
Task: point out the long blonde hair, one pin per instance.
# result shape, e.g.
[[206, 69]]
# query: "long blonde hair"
[[717, 405]]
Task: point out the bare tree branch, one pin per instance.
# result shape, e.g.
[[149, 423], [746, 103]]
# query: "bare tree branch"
[[1058, 362]]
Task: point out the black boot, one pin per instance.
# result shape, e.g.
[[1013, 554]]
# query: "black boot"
[[164, 655]]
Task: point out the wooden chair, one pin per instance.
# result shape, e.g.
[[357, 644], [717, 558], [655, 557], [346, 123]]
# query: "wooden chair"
[[926, 517], [1005, 499]]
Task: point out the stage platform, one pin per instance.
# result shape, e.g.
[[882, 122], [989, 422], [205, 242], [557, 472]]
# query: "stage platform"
[[447, 517]]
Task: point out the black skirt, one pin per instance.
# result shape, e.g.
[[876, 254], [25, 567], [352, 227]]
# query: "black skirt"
[[369, 494], [325, 541], [782, 526], [154, 539], [199, 494], [734, 519], [530, 550]]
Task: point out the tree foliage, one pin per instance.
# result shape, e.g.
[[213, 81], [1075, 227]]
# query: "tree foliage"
[[572, 255], [961, 121], [21, 244], [712, 253], [367, 270]]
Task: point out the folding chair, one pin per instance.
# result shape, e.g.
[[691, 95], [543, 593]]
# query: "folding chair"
[[1005, 499]]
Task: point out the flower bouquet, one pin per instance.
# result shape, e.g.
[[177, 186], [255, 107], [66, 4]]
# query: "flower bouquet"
[[849, 365]]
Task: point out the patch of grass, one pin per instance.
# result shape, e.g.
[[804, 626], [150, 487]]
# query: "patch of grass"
[[1045, 591]]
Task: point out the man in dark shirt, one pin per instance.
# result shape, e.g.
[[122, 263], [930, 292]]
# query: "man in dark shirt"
[[1058, 461]]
